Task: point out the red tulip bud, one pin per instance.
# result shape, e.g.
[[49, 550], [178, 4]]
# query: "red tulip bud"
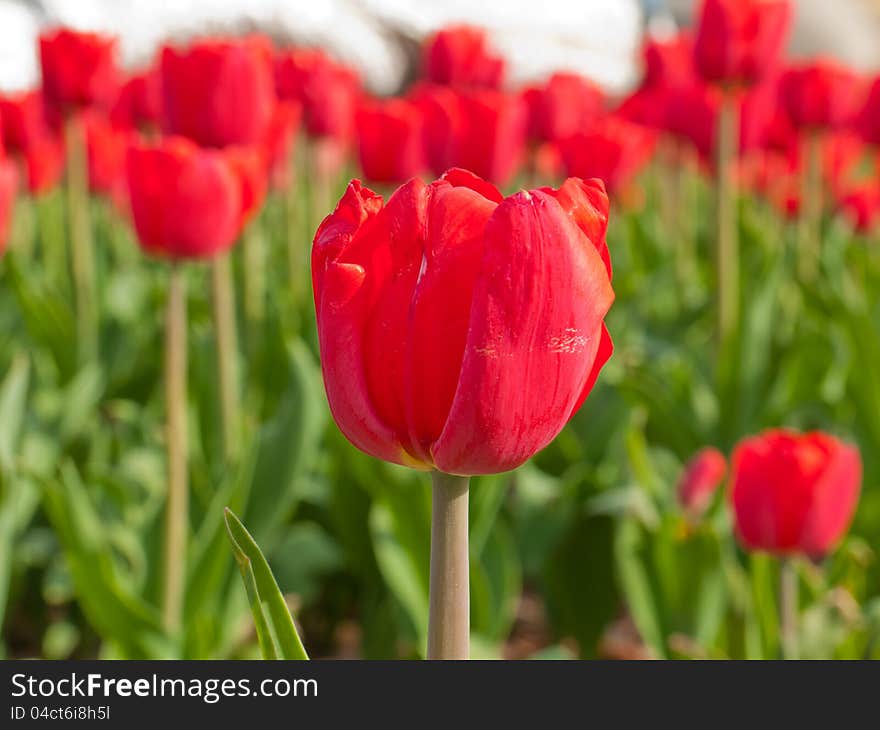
[[459, 329], [390, 145], [79, 69], [702, 476], [740, 41], [461, 56], [185, 201], [793, 493], [218, 92]]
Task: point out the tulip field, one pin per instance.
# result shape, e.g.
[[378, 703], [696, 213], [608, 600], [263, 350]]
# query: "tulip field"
[[478, 370]]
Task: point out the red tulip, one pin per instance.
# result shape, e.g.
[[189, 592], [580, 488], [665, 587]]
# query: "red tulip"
[[568, 103], [79, 69], [140, 101], [8, 185], [693, 113], [24, 119], [668, 63], [390, 145], [218, 92], [249, 165], [478, 129], [613, 150], [821, 95], [185, 201], [106, 148], [861, 205], [280, 138], [740, 41], [793, 493], [461, 56], [44, 161], [459, 329], [702, 476], [868, 118], [327, 90]]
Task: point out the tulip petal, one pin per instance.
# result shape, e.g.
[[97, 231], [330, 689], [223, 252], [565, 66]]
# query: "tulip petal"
[[835, 497], [538, 303], [586, 203], [441, 305], [458, 177], [603, 354], [342, 313]]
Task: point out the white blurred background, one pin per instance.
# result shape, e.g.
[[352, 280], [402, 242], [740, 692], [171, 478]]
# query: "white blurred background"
[[599, 38]]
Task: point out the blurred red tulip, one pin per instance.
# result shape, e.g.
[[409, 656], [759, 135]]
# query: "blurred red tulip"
[[278, 145], [79, 69], [478, 129], [24, 119], [822, 94], [140, 101], [860, 204], [701, 478], [568, 103], [390, 146], [8, 186], [668, 63], [327, 90], [458, 329], [793, 493], [740, 41], [693, 115], [185, 201], [106, 147], [461, 56], [44, 161], [867, 120], [249, 165], [218, 92], [613, 150]]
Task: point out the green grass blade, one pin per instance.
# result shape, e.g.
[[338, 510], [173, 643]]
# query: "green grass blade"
[[266, 589]]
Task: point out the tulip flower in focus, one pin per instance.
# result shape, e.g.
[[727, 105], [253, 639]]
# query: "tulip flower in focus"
[[79, 69], [739, 42], [794, 494], [186, 202], [613, 150], [478, 129], [218, 92], [390, 145], [701, 478], [441, 345], [566, 104], [461, 56], [822, 94], [8, 186]]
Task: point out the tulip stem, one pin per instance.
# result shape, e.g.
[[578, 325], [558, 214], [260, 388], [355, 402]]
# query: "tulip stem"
[[177, 500], [81, 247], [788, 609], [728, 245], [810, 219], [449, 612], [294, 249], [254, 274], [227, 351]]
